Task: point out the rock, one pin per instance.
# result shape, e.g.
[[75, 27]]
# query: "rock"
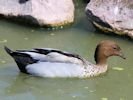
[[112, 15], [40, 12]]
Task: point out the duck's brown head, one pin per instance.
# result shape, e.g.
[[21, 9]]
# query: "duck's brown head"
[[106, 49]]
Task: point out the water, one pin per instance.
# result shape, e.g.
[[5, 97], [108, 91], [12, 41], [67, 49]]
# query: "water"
[[80, 38]]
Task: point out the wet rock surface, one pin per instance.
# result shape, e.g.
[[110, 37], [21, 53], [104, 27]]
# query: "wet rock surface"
[[41, 12], [112, 15]]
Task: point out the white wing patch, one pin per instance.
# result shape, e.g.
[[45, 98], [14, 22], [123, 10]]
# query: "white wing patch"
[[37, 56], [55, 57], [63, 58]]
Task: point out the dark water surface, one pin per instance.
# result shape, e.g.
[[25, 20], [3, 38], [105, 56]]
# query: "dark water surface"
[[81, 38]]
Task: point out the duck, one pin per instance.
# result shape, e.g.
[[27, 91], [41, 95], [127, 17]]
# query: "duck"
[[51, 63]]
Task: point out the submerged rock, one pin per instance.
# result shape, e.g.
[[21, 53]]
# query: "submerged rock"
[[112, 15], [40, 12]]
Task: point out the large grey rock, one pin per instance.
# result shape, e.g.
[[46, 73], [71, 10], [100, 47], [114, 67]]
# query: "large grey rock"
[[112, 15], [41, 12]]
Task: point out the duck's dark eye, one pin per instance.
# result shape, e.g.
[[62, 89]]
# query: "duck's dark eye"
[[114, 48]]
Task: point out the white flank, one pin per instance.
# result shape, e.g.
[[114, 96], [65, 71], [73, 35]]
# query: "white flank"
[[48, 69]]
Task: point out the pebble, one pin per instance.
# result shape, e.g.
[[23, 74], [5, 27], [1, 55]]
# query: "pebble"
[[3, 61], [104, 98], [26, 38], [52, 34], [118, 68], [3, 41], [91, 91], [32, 30]]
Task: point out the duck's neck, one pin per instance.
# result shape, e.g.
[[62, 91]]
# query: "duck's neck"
[[101, 62], [99, 68], [100, 58]]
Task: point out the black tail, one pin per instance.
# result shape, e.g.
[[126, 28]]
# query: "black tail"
[[22, 59], [9, 51]]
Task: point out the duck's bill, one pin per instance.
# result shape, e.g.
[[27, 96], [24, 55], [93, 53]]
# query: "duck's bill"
[[122, 55]]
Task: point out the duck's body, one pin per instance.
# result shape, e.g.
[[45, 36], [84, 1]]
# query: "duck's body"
[[48, 69], [55, 63]]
